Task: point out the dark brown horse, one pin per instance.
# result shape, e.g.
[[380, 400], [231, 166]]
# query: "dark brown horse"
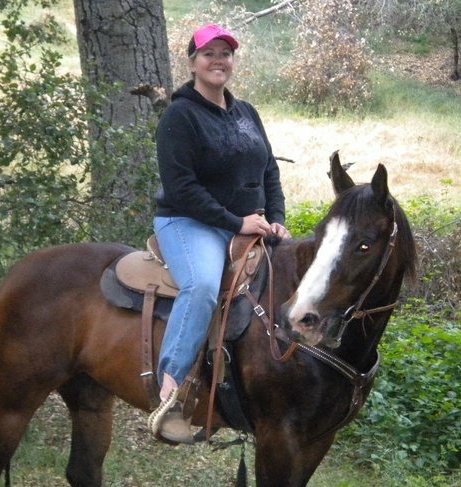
[[333, 294]]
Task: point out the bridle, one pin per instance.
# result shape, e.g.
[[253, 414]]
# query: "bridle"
[[355, 312]]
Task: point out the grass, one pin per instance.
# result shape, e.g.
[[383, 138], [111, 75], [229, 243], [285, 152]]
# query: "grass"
[[135, 459], [394, 96]]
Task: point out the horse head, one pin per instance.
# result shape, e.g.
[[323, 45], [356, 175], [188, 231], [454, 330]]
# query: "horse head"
[[363, 248]]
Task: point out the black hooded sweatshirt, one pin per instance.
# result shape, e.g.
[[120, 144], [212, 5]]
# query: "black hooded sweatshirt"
[[216, 165]]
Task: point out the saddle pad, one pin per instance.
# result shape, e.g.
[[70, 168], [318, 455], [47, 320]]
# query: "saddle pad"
[[138, 269], [122, 297]]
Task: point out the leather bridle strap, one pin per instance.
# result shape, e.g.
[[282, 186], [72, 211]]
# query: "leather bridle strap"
[[270, 323], [355, 311], [360, 381], [270, 327]]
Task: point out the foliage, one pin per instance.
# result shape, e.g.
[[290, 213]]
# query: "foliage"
[[123, 214], [46, 160], [330, 64], [437, 230], [303, 219], [412, 20], [437, 217], [42, 135], [414, 412]]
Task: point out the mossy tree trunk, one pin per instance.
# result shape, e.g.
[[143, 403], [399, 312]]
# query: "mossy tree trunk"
[[122, 44]]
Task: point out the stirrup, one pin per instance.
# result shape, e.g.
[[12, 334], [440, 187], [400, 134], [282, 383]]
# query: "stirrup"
[[156, 416]]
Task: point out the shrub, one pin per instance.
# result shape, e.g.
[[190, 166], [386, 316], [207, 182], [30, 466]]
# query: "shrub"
[[437, 229], [303, 219], [42, 132], [413, 414], [330, 62]]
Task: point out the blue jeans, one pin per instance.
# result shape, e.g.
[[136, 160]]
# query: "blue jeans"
[[196, 255]]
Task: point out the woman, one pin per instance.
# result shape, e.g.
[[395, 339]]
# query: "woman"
[[218, 172]]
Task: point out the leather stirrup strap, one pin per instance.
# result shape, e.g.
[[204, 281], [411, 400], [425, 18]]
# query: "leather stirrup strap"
[[147, 374], [220, 341], [189, 388]]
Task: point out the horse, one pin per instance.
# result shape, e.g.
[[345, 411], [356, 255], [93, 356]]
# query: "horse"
[[303, 376]]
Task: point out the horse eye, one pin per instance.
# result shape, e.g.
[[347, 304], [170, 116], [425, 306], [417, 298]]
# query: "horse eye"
[[364, 247]]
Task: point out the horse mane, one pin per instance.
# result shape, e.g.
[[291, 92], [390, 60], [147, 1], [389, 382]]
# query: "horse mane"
[[359, 200], [407, 242]]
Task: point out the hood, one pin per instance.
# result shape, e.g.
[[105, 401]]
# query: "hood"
[[187, 91]]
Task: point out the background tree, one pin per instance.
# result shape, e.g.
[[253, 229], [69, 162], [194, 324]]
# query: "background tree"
[[123, 46]]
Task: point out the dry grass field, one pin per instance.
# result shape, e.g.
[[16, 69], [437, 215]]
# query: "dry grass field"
[[418, 158], [421, 153]]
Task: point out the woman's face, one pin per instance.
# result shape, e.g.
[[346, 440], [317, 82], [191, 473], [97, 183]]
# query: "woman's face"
[[213, 64]]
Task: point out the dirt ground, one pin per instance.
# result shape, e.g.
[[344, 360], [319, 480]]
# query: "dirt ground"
[[418, 158]]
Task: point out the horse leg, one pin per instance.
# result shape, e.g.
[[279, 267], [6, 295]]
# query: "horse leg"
[[90, 407], [283, 460], [13, 423]]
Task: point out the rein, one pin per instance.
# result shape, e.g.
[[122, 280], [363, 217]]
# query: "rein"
[[220, 342], [261, 313]]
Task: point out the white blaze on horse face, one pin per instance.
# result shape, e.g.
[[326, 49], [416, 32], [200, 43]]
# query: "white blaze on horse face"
[[314, 284]]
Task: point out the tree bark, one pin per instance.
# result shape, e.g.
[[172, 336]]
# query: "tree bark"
[[123, 41]]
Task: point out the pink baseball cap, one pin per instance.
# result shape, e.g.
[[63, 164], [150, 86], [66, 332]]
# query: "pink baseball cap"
[[206, 34]]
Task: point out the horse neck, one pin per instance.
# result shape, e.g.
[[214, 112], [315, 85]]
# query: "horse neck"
[[290, 261]]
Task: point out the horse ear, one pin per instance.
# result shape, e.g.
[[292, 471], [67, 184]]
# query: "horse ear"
[[379, 184], [339, 177]]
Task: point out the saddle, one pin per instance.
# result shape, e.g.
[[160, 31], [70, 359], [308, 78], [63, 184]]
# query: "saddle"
[[137, 270], [146, 273]]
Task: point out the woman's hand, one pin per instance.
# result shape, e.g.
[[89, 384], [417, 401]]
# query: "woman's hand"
[[280, 231], [256, 224]]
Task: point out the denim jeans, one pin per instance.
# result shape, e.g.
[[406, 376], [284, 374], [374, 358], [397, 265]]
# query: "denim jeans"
[[196, 255]]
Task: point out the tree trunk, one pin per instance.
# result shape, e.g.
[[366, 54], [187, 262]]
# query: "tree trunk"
[[123, 41]]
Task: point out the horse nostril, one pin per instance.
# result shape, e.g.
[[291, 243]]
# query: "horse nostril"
[[311, 319]]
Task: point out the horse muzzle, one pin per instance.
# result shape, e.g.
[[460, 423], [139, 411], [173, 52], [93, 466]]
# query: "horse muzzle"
[[315, 330]]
